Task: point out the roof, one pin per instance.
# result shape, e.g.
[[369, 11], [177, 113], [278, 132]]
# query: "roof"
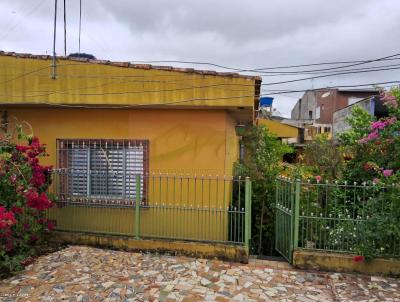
[[279, 129], [26, 80], [369, 90], [131, 65]]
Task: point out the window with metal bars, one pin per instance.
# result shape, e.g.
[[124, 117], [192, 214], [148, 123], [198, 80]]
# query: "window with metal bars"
[[101, 170]]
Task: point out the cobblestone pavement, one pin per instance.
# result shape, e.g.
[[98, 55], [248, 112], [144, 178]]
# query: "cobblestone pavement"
[[88, 274]]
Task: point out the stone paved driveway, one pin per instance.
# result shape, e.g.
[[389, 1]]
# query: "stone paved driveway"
[[88, 274]]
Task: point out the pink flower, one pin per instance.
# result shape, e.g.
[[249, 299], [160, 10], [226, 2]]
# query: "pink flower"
[[389, 100], [378, 125], [373, 135], [318, 178], [387, 173], [376, 181], [391, 120], [13, 179]]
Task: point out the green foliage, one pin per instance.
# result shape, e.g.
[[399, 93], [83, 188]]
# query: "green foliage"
[[367, 222], [262, 163], [23, 201], [360, 123], [324, 157]]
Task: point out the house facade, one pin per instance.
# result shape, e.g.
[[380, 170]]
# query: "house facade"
[[373, 105], [316, 108], [105, 122]]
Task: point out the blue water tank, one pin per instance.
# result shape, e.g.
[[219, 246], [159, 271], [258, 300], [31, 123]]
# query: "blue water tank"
[[266, 101]]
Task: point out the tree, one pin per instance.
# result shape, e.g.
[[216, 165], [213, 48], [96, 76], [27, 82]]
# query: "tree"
[[324, 156], [262, 163]]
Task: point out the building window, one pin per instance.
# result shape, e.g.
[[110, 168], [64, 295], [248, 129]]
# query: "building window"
[[310, 114], [327, 129], [102, 171]]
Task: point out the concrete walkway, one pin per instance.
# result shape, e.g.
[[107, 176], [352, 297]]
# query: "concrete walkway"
[[88, 274]]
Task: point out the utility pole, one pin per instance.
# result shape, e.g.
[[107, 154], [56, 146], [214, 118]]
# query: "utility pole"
[[65, 30], [53, 73], [80, 24]]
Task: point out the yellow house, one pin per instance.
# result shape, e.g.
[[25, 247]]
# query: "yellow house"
[[105, 123], [286, 133]]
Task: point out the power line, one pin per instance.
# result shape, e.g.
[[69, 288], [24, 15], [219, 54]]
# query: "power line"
[[291, 73], [234, 96], [327, 75], [273, 92], [138, 105], [126, 92], [172, 75], [266, 84], [353, 63]]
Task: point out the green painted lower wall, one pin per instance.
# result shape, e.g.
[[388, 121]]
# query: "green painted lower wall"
[[163, 222], [344, 263], [234, 253]]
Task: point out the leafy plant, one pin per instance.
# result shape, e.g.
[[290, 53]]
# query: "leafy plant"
[[262, 163], [23, 201]]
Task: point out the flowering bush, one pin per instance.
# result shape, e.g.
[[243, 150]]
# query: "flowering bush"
[[374, 145], [23, 201], [373, 150]]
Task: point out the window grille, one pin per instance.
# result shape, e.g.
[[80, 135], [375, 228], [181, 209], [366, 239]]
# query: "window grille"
[[100, 170]]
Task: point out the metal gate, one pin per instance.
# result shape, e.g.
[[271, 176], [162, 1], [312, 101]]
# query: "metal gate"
[[287, 213]]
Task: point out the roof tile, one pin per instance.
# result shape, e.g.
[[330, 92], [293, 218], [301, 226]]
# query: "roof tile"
[[138, 66]]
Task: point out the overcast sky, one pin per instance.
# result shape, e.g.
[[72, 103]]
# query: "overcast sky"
[[244, 34]]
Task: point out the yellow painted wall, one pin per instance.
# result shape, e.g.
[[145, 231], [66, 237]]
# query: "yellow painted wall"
[[195, 142], [279, 129], [181, 141], [193, 135], [28, 81]]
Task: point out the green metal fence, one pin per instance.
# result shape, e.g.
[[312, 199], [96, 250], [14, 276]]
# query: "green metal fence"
[[179, 207], [340, 217]]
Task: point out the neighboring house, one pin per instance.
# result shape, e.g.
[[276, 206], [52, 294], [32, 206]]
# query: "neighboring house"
[[286, 133], [106, 122], [316, 107], [373, 105]]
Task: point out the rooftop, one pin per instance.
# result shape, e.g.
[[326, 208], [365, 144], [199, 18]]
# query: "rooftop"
[[131, 65]]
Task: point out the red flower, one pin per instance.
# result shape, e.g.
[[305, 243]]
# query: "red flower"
[[50, 226], [33, 238], [36, 201], [22, 148], [6, 234], [27, 261], [358, 258], [38, 179], [16, 210], [9, 245], [347, 157], [7, 219], [318, 178]]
